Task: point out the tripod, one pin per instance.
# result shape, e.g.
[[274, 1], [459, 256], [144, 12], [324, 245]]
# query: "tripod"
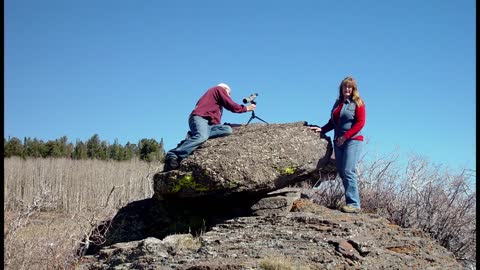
[[254, 116]]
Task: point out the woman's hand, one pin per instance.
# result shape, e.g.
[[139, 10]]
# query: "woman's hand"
[[341, 140], [316, 129]]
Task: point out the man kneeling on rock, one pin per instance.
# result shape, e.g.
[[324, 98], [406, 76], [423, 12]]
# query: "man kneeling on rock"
[[204, 122]]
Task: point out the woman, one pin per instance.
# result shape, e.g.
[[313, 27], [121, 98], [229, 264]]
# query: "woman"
[[347, 119]]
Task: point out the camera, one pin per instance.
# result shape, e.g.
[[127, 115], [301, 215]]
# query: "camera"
[[250, 98]]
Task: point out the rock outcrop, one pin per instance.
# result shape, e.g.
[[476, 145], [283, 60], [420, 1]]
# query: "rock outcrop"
[[230, 205], [254, 159], [307, 236]]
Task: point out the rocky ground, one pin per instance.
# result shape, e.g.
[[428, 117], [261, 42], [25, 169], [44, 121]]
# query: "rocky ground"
[[309, 235]]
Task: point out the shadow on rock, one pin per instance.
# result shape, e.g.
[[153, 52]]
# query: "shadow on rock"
[[159, 218]]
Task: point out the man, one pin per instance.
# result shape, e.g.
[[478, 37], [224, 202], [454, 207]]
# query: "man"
[[204, 122]]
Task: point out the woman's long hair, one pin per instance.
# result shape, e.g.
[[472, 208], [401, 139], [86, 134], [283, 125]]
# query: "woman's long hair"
[[350, 81]]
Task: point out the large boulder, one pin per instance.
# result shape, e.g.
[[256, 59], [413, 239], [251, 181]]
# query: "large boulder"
[[256, 158]]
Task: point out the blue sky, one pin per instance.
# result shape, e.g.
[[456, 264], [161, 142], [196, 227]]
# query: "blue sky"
[[130, 70]]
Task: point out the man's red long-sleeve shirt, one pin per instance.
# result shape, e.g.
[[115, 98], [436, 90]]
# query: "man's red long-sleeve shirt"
[[211, 104]]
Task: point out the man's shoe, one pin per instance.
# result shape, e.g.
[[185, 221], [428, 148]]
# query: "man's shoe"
[[350, 209], [171, 164]]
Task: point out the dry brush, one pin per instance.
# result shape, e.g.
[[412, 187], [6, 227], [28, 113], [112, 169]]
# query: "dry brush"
[[417, 194], [53, 207], [76, 185]]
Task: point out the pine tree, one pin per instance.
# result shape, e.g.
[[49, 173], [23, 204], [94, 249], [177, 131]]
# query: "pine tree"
[[129, 151], [53, 149], [69, 152], [103, 151], [62, 145], [115, 151], [80, 150], [151, 150], [162, 151], [13, 147], [93, 147], [33, 148]]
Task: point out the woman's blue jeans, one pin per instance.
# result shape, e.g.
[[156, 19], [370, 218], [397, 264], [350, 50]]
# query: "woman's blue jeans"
[[346, 158], [200, 132]]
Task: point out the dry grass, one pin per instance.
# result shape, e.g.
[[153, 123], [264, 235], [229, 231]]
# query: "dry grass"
[[51, 206], [76, 185], [183, 242], [282, 263]]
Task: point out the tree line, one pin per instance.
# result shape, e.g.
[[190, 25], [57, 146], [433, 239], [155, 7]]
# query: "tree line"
[[94, 148]]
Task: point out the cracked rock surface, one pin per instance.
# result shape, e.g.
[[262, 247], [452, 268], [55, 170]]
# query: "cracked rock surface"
[[309, 235]]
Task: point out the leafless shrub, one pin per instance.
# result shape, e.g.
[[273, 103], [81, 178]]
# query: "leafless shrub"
[[418, 194], [378, 181], [23, 217], [35, 239], [48, 251], [96, 226], [440, 203], [11, 249], [329, 192]]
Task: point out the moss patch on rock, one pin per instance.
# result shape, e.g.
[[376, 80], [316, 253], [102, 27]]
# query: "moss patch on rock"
[[288, 170], [188, 182]]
